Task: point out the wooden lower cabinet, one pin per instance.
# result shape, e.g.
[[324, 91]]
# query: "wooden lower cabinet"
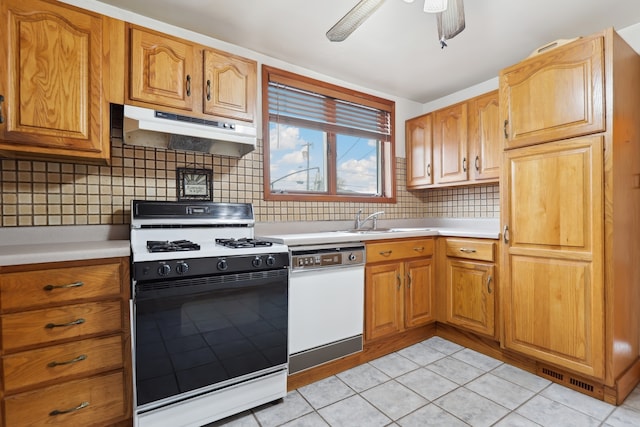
[[65, 346], [470, 284], [399, 289]]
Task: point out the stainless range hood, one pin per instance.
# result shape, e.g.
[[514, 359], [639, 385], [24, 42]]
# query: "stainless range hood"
[[150, 128]]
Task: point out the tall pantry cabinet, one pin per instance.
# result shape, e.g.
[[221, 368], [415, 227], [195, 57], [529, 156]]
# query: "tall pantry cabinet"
[[571, 213]]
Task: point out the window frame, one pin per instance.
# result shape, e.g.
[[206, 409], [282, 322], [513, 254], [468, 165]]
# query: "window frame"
[[271, 74]]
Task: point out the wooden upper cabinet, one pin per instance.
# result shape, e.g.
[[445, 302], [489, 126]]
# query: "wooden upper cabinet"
[[450, 144], [554, 96], [485, 137], [55, 80], [230, 86], [162, 70], [175, 75], [419, 149]]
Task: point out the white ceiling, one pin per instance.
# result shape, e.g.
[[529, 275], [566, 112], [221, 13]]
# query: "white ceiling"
[[396, 51]]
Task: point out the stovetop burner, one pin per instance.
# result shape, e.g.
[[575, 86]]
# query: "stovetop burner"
[[242, 243], [175, 246]]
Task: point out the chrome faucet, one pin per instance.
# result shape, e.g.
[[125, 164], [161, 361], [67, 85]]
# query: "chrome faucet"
[[373, 217]]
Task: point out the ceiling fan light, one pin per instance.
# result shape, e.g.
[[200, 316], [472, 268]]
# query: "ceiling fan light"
[[353, 19], [435, 6]]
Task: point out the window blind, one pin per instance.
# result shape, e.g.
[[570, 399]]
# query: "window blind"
[[298, 106]]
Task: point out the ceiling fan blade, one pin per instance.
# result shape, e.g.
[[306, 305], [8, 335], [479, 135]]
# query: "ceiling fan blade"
[[353, 19]]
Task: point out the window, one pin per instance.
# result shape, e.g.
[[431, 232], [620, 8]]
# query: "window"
[[325, 142]]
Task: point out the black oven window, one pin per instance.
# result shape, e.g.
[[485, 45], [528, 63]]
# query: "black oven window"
[[203, 331]]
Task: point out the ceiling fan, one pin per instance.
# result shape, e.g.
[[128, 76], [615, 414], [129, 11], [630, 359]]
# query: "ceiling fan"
[[449, 15]]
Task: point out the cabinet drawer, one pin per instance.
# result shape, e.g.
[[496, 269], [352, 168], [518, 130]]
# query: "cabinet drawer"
[[471, 249], [58, 285], [46, 326], [389, 251], [91, 402], [59, 362]]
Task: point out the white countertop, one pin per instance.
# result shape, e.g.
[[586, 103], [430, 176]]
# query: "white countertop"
[[31, 245], [324, 234]]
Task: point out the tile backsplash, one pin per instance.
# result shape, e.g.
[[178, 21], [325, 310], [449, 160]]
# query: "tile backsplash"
[[42, 193]]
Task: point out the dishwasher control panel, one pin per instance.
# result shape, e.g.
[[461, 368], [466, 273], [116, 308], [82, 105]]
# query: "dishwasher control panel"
[[321, 257]]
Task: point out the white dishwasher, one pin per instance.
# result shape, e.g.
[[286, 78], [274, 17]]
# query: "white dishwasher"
[[326, 303]]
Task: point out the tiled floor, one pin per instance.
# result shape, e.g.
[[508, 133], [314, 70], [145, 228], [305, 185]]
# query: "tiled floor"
[[438, 383]]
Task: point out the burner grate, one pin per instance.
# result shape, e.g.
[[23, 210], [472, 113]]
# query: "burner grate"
[[242, 243], [175, 246]]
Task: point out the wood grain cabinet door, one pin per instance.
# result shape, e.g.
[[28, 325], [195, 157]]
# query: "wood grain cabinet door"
[[450, 144], [485, 138], [230, 86], [553, 271], [419, 292], [383, 300], [419, 151], [51, 81], [556, 95], [162, 70], [471, 295]]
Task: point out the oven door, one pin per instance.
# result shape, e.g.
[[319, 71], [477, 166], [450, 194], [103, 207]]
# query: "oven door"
[[199, 334]]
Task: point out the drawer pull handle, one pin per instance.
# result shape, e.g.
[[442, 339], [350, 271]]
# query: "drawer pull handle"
[[62, 325], [385, 253], [69, 285], [419, 249], [468, 250], [67, 411], [67, 362], [489, 279], [208, 90], [188, 85]]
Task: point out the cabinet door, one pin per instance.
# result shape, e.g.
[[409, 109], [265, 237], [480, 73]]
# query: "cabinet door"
[[162, 70], [229, 86], [470, 295], [485, 137], [419, 292], [51, 79], [450, 144], [419, 148], [556, 95], [554, 292], [383, 300]]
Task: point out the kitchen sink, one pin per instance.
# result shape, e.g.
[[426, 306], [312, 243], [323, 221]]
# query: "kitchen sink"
[[383, 230]]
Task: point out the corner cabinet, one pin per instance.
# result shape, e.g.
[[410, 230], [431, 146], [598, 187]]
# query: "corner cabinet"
[[171, 74], [471, 284], [399, 290], [456, 145], [66, 353], [569, 211], [55, 80]]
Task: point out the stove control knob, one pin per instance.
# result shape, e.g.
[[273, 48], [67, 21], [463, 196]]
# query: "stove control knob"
[[352, 257], [271, 260], [164, 269], [257, 261], [182, 267], [222, 264]]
